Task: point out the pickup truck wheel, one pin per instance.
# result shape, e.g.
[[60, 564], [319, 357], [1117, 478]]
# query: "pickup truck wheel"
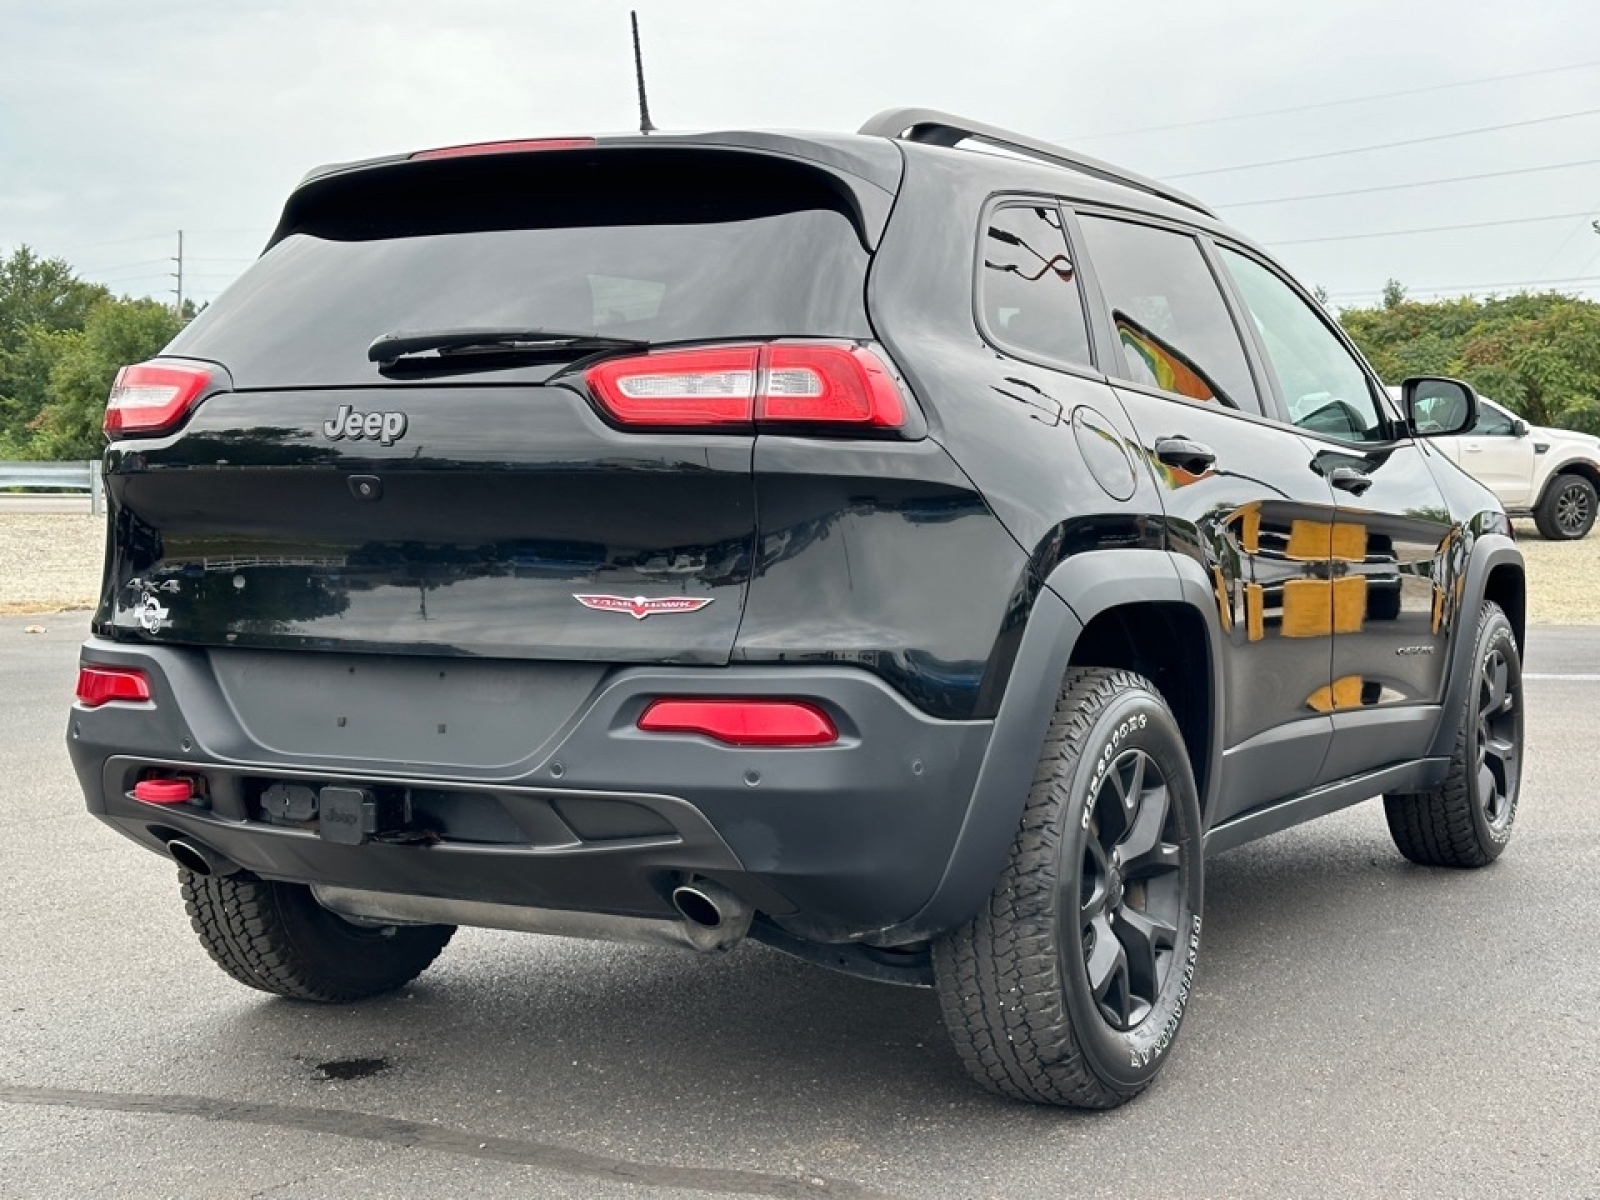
[[275, 937], [1069, 985], [1568, 509], [1467, 821]]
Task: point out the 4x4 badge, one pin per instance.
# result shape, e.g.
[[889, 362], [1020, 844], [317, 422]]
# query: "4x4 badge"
[[640, 607]]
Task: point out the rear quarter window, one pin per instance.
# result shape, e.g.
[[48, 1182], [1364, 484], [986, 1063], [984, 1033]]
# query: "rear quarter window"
[[1028, 287]]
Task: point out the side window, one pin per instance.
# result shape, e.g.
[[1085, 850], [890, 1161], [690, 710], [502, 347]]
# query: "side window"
[[1030, 298], [1324, 387], [1492, 421], [1170, 317]]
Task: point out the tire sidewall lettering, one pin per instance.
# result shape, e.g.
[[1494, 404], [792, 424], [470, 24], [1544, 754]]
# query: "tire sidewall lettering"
[[1131, 1058]]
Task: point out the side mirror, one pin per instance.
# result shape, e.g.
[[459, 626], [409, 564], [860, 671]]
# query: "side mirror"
[[1519, 428], [1438, 407]]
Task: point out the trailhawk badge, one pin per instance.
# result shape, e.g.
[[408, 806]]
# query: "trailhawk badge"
[[150, 613], [640, 607]]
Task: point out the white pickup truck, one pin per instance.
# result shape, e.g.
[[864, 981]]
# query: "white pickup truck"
[[1552, 475]]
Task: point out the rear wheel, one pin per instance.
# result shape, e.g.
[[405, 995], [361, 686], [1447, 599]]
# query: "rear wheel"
[[1467, 821], [1568, 509], [1069, 985], [277, 938]]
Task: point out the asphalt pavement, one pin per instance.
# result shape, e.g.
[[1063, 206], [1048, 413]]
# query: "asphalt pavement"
[[1360, 1027]]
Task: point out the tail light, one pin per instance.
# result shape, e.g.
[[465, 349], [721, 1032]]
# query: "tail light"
[[743, 722], [102, 685], [154, 397], [812, 385]]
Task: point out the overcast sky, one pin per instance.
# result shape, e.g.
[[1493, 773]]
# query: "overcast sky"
[[122, 121]]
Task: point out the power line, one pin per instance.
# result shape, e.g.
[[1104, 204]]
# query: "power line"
[[1586, 280], [1436, 137], [1397, 187], [1278, 112], [1351, 237]]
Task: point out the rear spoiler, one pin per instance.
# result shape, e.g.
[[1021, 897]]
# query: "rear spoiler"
[[864, 173]]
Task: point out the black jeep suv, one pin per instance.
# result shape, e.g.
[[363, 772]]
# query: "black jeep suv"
[[914, 557]]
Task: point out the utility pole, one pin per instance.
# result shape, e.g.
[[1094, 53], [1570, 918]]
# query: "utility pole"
[[179, 274]]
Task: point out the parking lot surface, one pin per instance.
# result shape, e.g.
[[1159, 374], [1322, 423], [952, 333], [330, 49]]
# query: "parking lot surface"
[[1360, 1027]]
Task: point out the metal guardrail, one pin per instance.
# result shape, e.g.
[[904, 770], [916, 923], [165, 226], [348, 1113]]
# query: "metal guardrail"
[[58, 477]]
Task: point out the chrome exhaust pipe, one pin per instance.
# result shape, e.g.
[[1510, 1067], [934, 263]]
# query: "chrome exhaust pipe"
[[713, 917], [200, 859]]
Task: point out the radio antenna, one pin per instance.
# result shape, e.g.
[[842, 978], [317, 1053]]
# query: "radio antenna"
[[645, 125]]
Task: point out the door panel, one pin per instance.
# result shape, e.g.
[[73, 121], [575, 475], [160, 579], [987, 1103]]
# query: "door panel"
[[1503, 463], [1259, 522], [1390, 533], [1391, 545]]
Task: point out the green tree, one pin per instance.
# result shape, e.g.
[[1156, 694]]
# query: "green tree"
[[1539, 354], [44, 292], [42, 303], [116, 332]]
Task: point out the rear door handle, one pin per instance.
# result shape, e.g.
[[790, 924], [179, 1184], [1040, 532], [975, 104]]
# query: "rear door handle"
[[1348, 479], [1182, 453]]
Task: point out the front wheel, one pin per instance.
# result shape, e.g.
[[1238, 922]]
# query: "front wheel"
[[1567, 511], [1070, 984], [1466, 821]]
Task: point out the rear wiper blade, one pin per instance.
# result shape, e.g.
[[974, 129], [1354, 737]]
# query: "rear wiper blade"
[[390, 347]]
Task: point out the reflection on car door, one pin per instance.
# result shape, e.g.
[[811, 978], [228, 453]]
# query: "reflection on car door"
[[1240, 495], [1392, 543]]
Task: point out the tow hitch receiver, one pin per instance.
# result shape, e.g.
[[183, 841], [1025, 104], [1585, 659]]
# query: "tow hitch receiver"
[[352, 815]]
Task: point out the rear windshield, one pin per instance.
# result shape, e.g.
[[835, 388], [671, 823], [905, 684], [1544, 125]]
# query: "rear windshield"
[[703, 250]]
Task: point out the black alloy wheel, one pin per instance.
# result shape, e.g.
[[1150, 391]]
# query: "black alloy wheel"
[[1130, 893], [1070, 985], [1467, 820], [1498, 738]]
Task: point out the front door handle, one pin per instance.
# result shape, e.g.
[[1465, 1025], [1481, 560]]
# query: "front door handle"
[[1348, 479], [1188, 456]]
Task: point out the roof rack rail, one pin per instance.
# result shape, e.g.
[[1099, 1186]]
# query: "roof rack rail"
[[934, 128]]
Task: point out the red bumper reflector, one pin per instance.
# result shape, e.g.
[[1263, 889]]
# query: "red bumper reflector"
[[743, 722], [102, 685], [163, 791]]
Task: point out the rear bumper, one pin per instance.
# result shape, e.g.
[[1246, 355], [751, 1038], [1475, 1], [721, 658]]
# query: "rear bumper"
[[833, 843]]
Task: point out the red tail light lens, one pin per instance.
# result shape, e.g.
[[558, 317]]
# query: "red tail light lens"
[[680, 387], [815, 385], [153, 397], [102, 685], [743, 722], [514, 147], [827, 385]]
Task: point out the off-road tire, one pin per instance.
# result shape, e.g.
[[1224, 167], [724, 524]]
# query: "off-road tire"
[[1568, 509], [1466, 822], [277, 938], [1014, 982]]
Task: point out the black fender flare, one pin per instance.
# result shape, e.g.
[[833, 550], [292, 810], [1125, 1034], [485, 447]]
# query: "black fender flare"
[[1489, 551], [1077, 590]]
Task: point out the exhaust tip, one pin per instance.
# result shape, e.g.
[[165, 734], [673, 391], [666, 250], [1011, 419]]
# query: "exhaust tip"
[[200, 860], [697, 907]]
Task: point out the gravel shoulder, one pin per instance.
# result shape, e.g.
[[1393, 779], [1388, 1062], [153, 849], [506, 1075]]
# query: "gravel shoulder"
[[50, 562]]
